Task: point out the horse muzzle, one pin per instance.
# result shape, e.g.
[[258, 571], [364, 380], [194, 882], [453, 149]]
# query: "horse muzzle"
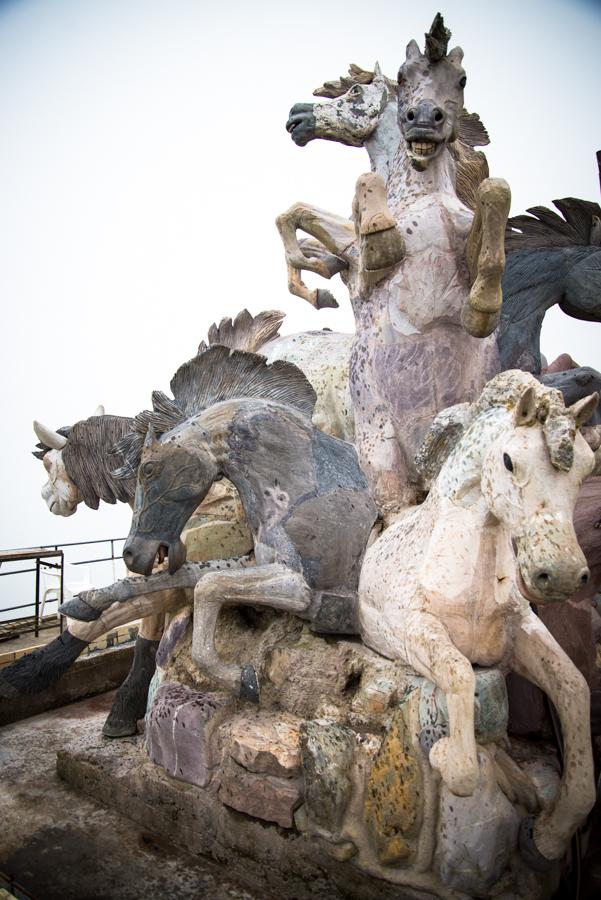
[[140, 555], [551, 581], [301, 123]]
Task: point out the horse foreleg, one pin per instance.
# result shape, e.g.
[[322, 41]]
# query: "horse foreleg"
[[334, 233], [428, 648], [381, 243], [537, 656], [486, 257], [273, 585]]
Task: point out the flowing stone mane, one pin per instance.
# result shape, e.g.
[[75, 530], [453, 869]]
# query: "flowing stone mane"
[[245, 332], [472, 166], [543, 229], [215, 375], [89, 462], [504, 390]]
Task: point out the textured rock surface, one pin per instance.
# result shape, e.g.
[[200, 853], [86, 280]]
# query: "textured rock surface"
[[476, 835], [263, 796], [327, 754], [178, 731], [394, 795], [265, 743]]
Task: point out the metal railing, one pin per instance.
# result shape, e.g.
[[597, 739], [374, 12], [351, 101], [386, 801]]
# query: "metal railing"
[[42, 556]]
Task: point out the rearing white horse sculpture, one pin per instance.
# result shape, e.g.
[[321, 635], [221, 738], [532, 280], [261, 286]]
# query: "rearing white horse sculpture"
[[448, 586]]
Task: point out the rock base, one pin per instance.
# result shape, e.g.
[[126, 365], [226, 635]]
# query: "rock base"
[[121, 776]]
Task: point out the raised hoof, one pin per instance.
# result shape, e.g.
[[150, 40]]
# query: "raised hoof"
[[80, 610], [325, 300], [382, 250], [528, 849], [249, 685], [118, 728]]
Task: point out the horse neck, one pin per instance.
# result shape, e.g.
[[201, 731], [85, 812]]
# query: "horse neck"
[[406, 184], [459, 479], [383, 143]]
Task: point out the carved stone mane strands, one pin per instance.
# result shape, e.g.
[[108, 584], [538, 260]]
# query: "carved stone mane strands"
[[216, 375], [543, 229], [245, 332], [88, 465]]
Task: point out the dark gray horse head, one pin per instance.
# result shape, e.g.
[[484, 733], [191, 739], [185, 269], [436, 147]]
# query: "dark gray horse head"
[[172, 482]]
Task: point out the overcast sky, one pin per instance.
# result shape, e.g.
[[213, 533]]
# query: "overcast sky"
[[143, 161]]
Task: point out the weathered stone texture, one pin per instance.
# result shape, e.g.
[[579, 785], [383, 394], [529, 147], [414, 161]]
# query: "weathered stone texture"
[[263, 796], [179, 728], [327, 754]]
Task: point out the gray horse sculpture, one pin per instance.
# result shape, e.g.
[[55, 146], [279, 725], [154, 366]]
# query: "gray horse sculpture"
[[240, 418]]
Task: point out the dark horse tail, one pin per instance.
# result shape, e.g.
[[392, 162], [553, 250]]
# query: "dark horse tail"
[[42, 668]]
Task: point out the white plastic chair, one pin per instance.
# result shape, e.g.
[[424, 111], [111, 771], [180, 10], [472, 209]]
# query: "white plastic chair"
[[75, 579]]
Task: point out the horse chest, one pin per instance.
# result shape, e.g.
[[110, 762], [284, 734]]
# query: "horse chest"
[[432, 282]]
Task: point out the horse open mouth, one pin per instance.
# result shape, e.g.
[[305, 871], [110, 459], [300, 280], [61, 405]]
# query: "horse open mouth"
[[423, 148]]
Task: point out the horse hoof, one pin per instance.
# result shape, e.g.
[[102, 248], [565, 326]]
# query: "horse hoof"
[[118, 728], [249, 685], [80, 610], [324, 299], [528, 849]]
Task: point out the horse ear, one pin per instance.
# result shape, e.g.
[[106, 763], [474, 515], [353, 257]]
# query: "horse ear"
[[413, 52], [525, 411], [150, 438], [455, 55], [377, 70], [583, 409], [99, 411]]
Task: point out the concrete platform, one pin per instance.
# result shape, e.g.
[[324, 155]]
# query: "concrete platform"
[[61, 845]]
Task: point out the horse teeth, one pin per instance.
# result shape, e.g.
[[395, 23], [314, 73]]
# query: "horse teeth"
[[424, 149]]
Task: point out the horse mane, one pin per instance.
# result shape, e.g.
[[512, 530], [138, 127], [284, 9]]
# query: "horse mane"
[[504, 390], [543, 229], [88, 459], [471, 165], [245, 332], [215, 375]]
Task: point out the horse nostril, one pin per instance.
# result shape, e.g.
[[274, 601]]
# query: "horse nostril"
[[411, 115], [585, 577], [543, 578], [128, 558], [438, 116]]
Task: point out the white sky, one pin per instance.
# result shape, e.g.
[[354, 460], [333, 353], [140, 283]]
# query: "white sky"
[[143, 160]]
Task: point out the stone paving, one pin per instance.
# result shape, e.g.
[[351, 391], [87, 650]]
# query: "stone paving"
[[59, 844]]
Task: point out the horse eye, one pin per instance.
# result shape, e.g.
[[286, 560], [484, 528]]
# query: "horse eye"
[[462, 81], [148, 468], [507, 462]]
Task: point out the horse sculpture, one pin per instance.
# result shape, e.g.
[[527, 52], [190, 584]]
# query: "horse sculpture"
[[446, 587], [80, 463], [250, 422], [449, 586], [424, 277]]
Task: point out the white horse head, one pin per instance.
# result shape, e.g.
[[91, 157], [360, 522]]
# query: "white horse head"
[[523, 454], [350, 116]]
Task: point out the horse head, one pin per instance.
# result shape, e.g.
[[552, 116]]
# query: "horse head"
[[349, 117], [531, 476], [430, 96], [172, 482]]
